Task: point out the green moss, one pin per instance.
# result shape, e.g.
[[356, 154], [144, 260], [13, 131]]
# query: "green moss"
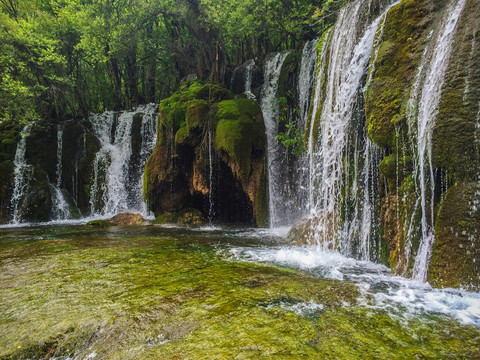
[[394, 65], [189, 216], [182, 135], [388, 168], [99, 223], [197, 113], [234, 109], [455, 258], [240, 130]]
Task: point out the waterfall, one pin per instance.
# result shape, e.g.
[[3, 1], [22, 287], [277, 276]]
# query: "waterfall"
[[148, 133], [118, 172], [22, 174], [342, 160], [211, 213], [317, 97], [275, 153], [306, 78], [248, 79], [60, 207], [427, 113], [297, 202]]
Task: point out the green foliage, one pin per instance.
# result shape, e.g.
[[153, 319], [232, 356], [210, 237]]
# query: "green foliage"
[[67, 58], [291, 137]]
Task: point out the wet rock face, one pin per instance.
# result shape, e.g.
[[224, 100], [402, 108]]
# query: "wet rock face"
[[80, 146], [36, 205], [409, 35], [239, 74], [209, 156], [9, 137]]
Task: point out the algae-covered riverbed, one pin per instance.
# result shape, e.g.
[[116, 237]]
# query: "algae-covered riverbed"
[[73, 292]]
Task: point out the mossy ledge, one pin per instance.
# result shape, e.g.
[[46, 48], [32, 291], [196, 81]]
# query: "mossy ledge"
[[203, 130]]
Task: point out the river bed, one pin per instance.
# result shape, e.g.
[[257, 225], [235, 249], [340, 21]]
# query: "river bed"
[[156, 292]]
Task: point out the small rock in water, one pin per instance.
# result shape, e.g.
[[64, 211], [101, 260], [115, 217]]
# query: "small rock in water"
[[119, 219], [127, 219]]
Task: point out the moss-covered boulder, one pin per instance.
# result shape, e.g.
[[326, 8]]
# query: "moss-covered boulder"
[[209, 156], [395, 62]]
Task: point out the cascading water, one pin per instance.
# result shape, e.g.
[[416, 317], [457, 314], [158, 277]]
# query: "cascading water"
[[248, 79], [298, 203], [275, 154], [112, 190], [211, 212], [306, 78], [427, 113], [342, 160], [22, 173], [60, 206]]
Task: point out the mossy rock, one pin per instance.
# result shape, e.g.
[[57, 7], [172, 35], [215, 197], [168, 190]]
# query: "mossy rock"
[[455, 258], [394, 64], [189, 216], [388, 167], [176, 175], [99, 223], [240, 131], [197, 114], [454, 136]]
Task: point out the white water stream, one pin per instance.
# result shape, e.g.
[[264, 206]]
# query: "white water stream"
[[275, 154], [337, 89], [112, 190]]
